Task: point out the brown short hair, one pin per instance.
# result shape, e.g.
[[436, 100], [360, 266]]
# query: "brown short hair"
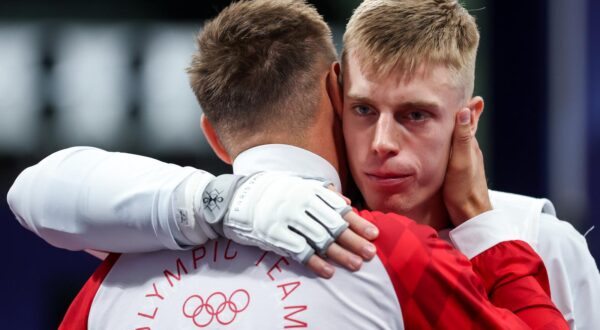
[[399, 35], [257, 67]]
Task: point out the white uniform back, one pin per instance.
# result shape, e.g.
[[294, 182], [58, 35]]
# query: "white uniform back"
[[223, 285]]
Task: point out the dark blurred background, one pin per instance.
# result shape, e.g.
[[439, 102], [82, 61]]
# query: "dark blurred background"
[[112, 74]]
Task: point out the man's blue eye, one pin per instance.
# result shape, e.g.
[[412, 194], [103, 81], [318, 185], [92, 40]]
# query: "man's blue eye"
[[362, 110], [417, 116]]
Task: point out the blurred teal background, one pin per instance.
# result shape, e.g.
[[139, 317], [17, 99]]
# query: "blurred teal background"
[[112, 74]]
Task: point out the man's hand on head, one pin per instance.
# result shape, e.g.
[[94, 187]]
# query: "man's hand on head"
[[288, 215], [465, 187]]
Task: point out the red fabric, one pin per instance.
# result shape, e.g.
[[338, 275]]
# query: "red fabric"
[[77, 315], [516, 279], [438, 288]]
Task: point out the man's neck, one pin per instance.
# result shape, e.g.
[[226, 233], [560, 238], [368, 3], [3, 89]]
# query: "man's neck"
[[432, 213]]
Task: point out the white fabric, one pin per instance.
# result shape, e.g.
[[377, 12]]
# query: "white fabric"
[[194, 230], [572, 271], [77, 197], [285, 158], [484, 231], [514, 217], [282, 293]]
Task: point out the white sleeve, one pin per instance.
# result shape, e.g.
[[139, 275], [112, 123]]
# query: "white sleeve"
[[484, 231], [87, 198], [572, 271]]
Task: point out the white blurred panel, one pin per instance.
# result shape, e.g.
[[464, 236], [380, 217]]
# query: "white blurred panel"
[[20, 97], [170, 112], [92, 84]]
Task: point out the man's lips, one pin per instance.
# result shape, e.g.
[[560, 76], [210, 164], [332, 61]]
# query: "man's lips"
[[389, 179]]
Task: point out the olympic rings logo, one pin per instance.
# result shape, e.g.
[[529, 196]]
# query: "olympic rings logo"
[[217, 306]]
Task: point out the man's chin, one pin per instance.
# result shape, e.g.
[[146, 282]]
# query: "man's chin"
[[392, 204]]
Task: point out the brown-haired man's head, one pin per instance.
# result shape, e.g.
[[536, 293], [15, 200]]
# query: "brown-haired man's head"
[[258, 71]]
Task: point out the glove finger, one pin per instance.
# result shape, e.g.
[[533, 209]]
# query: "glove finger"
[[316, 235], [334, 201], [304, 255], [291, 242], [294, 243], [281, 241], [327, 216]]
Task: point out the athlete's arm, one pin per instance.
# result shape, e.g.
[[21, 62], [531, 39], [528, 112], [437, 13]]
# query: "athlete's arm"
[[439, 288], [87, 198]]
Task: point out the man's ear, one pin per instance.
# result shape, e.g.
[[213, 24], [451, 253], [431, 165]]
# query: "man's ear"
[[213, 140], [476, 106], [334, 88]]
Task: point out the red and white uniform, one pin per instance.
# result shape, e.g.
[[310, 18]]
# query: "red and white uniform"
[[88, 211], [572, 270]]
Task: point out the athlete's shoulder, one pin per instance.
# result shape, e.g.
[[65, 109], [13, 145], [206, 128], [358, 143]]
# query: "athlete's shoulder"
[[527, 205], [551, 231], [525, 211], [560, 234]]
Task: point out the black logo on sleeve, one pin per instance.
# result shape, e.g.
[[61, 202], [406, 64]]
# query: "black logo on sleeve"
[[212, 200]]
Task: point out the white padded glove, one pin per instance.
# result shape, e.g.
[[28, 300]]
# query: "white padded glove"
[[275, 211]]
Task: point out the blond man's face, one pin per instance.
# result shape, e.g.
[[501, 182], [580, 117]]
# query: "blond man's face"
[[398, 136]]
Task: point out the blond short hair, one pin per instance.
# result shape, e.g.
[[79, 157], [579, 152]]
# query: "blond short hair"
[[397, 36], [257, 68]]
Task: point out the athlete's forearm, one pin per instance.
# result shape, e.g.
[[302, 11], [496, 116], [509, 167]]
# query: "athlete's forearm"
[[87, 198]]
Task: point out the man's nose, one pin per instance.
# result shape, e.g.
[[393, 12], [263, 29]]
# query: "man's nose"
[[385, 140]]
